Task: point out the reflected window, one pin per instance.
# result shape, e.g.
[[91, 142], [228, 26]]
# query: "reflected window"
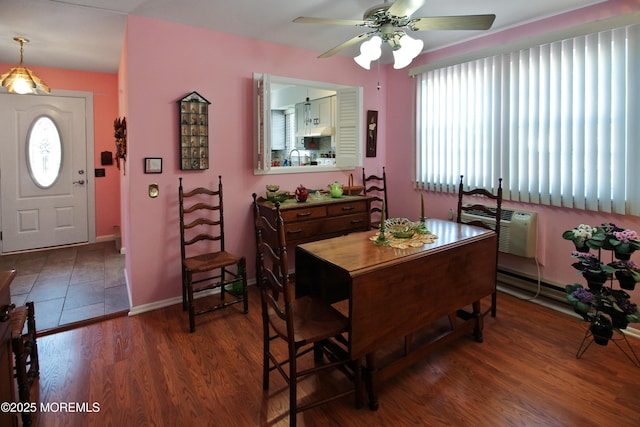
[[44, 152]]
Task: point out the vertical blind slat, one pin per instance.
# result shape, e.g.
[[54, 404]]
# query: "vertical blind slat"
[[558, 122]]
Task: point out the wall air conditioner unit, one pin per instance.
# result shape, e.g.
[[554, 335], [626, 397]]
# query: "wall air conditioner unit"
[[518, 229]]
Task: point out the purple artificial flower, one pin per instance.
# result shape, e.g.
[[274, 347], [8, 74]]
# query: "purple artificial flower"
[[627, 306], [584, 296]]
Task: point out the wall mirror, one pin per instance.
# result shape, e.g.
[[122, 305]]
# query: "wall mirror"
[[306, 126]]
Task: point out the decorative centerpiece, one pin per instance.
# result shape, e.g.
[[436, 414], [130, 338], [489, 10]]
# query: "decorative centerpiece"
[[401, 228]]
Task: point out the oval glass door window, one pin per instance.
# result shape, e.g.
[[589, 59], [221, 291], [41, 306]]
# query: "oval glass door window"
[[44, 152]]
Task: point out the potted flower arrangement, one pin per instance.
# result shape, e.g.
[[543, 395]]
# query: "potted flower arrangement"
[[606, 309], [627, 273], [621, 241], [581, 237], [593, 270]]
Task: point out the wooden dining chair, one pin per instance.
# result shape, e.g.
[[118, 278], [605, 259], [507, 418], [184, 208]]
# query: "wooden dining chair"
[[480, 202], [306, 324], [206, 265], [376, 187], [25, 351]]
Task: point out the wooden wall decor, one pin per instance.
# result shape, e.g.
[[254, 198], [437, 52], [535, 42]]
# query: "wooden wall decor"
[[372, 133], [120, 134], [194, 132]]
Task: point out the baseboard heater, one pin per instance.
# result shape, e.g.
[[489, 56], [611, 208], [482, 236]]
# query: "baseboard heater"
[[530, 285]]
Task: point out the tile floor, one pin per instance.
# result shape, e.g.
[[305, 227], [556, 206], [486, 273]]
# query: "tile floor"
[[69, 284]]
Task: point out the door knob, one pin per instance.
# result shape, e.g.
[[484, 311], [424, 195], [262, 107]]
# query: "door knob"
[[81, 182]]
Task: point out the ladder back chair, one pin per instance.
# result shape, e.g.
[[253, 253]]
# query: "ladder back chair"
[[305, 324], [206, 265], [25, 351], [482, 202], [376, 187]]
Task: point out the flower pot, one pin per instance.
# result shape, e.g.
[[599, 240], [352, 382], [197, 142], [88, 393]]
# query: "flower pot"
[[583, 248], [626, 281], [607, 246], [622, 255], [595, 280], [601, 333], [619, 320]]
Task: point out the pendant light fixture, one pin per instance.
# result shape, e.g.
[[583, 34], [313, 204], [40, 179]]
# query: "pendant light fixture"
[[22, 80]]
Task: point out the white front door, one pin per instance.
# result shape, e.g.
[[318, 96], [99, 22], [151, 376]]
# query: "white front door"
[[39, 213]]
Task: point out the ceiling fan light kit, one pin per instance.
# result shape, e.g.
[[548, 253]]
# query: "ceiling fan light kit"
[[388, 21], [404, 54], [369, 51], [22, 80]]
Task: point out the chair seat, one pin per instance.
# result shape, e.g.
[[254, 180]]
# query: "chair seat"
[[209, 261], [18, 320], [313, 321], [25, 351]]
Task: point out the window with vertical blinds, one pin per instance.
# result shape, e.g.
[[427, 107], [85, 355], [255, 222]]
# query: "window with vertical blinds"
[[558, 122]]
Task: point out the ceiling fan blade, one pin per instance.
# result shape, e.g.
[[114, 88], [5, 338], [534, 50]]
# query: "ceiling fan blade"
[[405, 7], [306, 20], [347, 44], [467, 22]]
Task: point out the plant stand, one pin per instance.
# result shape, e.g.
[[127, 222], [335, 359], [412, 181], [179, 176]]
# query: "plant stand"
[[589, 339]]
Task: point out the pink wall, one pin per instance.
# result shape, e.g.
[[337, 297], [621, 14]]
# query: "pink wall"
[[553, 251], [161, 68], [105, 108]]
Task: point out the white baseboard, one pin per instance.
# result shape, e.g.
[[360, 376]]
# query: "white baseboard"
[[171, 301]]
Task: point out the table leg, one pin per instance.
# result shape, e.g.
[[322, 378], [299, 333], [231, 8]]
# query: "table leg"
[[370, 372], [479, 319]]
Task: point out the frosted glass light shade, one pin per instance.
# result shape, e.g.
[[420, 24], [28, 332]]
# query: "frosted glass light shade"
[[409, 49], [369, 51]]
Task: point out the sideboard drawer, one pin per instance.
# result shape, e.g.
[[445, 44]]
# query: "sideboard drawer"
[[320, 218], [327, 227], [347, 208], [289, 215]]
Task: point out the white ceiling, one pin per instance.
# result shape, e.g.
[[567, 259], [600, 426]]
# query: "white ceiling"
[[88, 34]]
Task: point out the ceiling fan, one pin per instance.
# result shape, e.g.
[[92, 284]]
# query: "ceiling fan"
[[387, 21]]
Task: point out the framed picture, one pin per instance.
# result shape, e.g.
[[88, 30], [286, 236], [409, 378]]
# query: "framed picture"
[[153, 165], [372, 133]]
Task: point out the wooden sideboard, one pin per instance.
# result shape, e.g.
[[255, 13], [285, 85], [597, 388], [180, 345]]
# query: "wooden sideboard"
[[320, 218], [7, 383]]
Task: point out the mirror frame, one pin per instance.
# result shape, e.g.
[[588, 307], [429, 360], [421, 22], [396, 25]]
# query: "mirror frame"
[[348, 127]]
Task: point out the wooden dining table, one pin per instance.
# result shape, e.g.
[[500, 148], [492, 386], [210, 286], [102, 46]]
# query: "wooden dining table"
[[393, 293]]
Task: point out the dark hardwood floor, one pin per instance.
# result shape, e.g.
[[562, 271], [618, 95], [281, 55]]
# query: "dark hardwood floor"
[[148, 370]]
